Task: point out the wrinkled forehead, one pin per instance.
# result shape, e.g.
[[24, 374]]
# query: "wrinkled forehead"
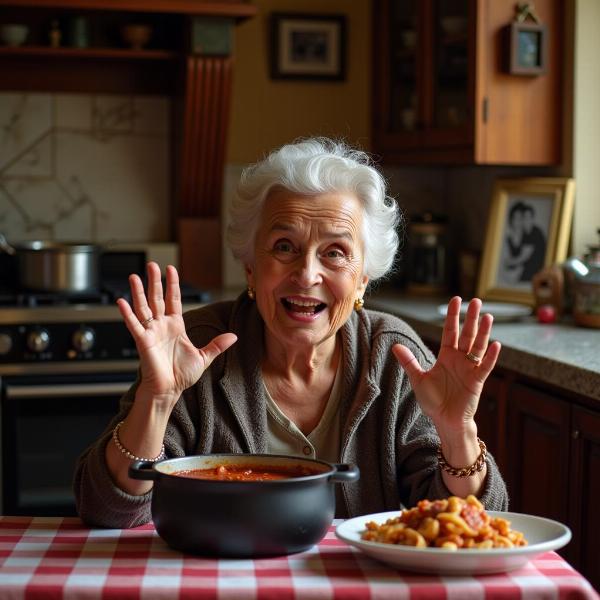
[[339, 213]]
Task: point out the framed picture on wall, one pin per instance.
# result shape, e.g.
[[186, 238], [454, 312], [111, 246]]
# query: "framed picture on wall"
[[528, 49], [528, 229], [304, 46]]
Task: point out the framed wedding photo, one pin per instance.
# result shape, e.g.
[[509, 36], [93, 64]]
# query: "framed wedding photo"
[[528, 229], [308, 46]]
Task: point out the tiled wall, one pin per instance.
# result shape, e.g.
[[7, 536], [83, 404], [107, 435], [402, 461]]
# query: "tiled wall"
[[81, 167]]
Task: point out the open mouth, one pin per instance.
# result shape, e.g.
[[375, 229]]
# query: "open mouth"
[[304, 307]]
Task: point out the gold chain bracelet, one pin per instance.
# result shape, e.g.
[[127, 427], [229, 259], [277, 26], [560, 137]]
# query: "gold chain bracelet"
[[476, 467], [130, 455]]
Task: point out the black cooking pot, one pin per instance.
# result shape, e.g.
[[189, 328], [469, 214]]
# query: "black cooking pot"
[[242, 518]]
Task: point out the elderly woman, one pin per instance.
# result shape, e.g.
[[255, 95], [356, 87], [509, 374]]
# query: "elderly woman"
[[295, 365]]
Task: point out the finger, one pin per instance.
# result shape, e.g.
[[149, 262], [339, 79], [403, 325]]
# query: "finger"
[[155, 290], [480, 344], [489, 360], [173, 292], [409, 363], [216, 347], [131, 321], [470, 326], [138, 297], [451, 323]]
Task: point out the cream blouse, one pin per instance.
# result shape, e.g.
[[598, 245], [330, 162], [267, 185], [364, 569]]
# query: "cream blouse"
[[323, 442]]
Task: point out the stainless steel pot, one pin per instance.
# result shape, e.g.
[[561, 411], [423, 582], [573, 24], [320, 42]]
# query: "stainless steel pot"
[[71, 267], [242, 518]]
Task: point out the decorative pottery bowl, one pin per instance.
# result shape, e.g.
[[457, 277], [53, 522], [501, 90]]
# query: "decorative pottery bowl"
[[136, 35], [13, 34]]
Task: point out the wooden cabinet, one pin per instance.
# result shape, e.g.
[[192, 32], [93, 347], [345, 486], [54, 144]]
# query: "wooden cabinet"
[[584, 492], [443, 95], [553, 466]]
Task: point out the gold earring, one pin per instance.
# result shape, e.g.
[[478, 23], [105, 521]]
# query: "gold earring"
[[358, 304], [251, 293]]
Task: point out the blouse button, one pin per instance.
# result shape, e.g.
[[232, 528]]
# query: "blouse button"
[[307, 450]]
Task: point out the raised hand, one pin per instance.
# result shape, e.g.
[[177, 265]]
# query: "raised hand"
[[449, 392], [169, 362]]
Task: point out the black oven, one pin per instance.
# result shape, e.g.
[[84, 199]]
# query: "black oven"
[[47, 422]]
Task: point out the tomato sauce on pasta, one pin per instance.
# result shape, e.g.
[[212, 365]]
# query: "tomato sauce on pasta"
[[453, 523]]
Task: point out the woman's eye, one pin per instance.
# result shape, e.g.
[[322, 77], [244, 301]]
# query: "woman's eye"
[[283, 246], [335, 253]]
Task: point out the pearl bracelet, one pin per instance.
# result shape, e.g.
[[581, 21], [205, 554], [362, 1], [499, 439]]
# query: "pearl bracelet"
[[130, 455], [476, 467]]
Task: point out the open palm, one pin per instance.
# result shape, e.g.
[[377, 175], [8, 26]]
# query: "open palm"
[[449, 392], [169, 362]]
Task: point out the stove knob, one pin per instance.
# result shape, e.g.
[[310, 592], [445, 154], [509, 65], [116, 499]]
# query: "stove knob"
[[5, 343], [38, 340], [83, 339]]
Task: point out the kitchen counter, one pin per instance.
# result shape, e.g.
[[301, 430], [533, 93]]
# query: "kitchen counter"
[[560, 354]]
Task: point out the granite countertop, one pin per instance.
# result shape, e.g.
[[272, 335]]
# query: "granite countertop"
[[560, 354]]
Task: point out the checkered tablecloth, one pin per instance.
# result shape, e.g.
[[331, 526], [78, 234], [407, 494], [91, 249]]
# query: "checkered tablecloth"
[[53, 557]]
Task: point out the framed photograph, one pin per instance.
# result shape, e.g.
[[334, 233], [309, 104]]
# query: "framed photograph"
[[528, 228], [528, 49], [308, 46]]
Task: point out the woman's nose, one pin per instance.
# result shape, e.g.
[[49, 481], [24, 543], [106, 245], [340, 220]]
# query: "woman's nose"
[[307, 270]]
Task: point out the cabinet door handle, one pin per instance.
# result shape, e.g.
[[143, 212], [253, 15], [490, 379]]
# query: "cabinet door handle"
[[485, 109], [576, 433]]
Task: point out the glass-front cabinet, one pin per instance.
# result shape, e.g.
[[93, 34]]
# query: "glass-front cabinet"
[[429, 65], [437, 65]]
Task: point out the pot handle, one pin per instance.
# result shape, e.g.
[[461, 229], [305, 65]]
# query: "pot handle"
[[345, 473], [142, 469]]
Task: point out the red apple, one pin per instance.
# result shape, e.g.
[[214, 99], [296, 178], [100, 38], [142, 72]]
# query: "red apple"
[[546, 313]]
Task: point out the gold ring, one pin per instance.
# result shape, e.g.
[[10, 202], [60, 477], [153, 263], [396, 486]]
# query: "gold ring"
[[473, 358], [146, 321]]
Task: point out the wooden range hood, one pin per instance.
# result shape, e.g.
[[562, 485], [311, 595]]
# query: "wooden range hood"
[[195, 67]]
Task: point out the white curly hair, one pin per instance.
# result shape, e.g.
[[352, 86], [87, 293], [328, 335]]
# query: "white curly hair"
[[315, 166]]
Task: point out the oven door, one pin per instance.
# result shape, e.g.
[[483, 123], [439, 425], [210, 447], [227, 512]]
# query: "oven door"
[[47, 422]]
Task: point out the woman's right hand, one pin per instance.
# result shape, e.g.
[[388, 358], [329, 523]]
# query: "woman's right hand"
[[169, 362]]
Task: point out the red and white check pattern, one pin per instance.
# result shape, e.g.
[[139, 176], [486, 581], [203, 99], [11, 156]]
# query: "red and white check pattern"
[[52, 557]]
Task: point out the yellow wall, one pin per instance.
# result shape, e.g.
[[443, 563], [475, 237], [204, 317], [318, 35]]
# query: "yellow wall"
[[586, 130], [266, 113]]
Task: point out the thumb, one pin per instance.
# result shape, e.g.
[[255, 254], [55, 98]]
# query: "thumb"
[[409, 363], [216, 346]]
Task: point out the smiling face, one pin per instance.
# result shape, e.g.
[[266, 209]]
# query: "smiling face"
[[308, 266]]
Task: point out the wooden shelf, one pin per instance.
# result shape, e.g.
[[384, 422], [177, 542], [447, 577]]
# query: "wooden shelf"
[[225, 8], [111, 53]]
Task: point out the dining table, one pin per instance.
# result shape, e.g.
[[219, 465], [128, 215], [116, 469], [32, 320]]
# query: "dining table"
[[61, 557]]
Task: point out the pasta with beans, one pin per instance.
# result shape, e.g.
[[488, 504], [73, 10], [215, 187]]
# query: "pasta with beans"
[[453, 523]]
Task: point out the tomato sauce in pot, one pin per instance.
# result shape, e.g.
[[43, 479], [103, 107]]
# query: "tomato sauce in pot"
[[247, 473]]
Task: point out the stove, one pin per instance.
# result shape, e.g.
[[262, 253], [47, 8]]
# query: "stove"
[[82, 331]]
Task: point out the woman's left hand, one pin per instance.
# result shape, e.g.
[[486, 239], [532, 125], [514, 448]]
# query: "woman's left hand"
[[449, 392]]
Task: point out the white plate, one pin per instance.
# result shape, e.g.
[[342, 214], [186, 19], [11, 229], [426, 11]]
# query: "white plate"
[[542, 534], [502, 311]]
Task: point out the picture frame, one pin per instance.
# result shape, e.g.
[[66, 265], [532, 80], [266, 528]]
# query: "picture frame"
[[527, 48], [529, 228], [308, 46]]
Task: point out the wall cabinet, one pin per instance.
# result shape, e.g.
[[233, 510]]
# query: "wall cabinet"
[[442, 93]]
